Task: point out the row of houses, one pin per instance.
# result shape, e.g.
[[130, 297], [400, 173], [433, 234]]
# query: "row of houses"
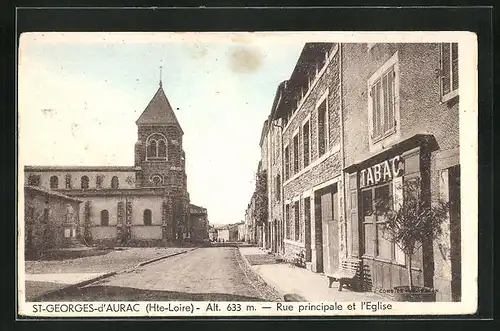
[[228, 233], [352, 123]]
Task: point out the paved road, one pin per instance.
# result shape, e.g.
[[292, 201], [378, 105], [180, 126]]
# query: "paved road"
[[205, 274]]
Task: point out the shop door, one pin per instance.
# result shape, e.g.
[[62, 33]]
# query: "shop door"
[[330, 230]]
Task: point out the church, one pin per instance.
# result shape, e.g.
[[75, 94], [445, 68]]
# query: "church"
[[146, 204]]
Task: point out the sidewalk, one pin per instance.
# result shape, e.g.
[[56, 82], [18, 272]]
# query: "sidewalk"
[[288, 279], [42, 277]]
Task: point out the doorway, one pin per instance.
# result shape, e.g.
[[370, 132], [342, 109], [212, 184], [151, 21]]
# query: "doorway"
[[326, 225]]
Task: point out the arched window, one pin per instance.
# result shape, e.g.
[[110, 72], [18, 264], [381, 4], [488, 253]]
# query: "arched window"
[[104, 217], [147, 217], [114, 182], [152, 148], [85, 182], [156, 147], [54, 182], [162, 149]]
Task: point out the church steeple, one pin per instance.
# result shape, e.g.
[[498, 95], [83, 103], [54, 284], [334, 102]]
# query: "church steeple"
[[159, 111], [158, 150]]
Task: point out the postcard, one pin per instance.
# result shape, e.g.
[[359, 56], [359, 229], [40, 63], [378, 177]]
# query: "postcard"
[[247, 174]]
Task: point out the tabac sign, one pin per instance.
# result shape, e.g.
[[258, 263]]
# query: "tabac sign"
[[382, 172]]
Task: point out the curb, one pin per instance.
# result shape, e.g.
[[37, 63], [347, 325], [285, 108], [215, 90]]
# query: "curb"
[[106, 275], [271, 284], [162, 257]]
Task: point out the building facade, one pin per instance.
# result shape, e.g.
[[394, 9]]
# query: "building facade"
[[241, 231], [309, 115], [212, 234], [198, 223], [402, 124], [144, 204], [350, 125], [228, 233], [51, 220]]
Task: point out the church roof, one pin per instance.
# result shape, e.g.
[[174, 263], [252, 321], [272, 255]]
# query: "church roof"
[[158, 111]]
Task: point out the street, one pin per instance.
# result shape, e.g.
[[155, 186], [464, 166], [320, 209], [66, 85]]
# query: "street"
[[204, 274]]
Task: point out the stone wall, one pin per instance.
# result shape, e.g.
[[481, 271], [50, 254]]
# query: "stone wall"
[[48, 223], [321, 168]]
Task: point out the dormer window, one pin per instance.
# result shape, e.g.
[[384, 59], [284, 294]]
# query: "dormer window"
[[156, 147]]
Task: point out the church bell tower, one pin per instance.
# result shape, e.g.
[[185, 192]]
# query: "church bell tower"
[[160, 161]]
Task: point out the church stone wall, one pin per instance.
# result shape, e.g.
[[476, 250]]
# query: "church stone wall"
[[126, 179], [146, 232]]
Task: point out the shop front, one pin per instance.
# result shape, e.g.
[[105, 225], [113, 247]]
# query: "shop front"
[[379, 178]]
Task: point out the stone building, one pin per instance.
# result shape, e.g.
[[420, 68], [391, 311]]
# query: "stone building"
[[212, 233], [308, 112], [144, 204], [50, 219], [275, 173], [228, 233], [401, 123], [198, 224], [241, 231], [352, 123]]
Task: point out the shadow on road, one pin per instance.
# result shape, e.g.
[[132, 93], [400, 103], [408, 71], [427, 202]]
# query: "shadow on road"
[[119, 293]]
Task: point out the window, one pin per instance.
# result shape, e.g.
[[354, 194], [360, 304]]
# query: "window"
[[305, 144], [296, 208], [162, 149], [296, 154], [156, 179], [449, 71], [156, 147], [278, 187], [98, 181], [68, 181], [377, 243], [104, 217], [382, 101], [322, 128], [45, 218], [384, 245], [54, 182], [147, 218], [287, 222], [287, 163], [84, 182], [114, 182], [34, 180]]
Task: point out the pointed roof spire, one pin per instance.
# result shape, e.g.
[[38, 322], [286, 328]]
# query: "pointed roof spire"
[[161, 67], [158, 111]]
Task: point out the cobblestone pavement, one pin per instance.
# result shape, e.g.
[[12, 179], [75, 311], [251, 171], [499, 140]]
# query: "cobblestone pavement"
[[205, 274]]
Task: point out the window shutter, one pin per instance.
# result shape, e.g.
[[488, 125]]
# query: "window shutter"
[[353, 196]]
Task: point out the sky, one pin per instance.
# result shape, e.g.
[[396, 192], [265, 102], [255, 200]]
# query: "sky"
[[79, 96]]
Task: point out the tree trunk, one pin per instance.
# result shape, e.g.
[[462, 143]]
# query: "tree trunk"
[[410, 279]]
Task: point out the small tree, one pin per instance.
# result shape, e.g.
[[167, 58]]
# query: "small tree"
[[412, 220], [261, 203]]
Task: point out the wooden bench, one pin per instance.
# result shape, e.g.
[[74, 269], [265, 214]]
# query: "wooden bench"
[[346, 274]]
